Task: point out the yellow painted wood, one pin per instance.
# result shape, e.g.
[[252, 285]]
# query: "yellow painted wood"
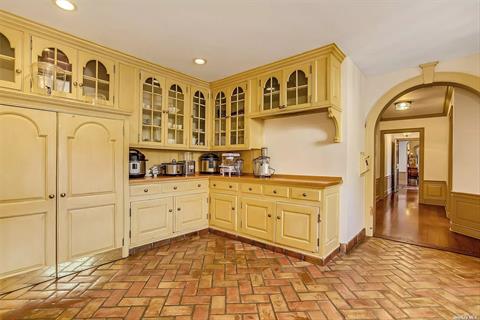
[[276, 191], [16, 73], [305, 194], [191, 212], [184, 122], [251, 188], [257, 218], [296, 226], [223, 211], [89, 149], [151, 220], [27, 190], [140, 190], [329, 224], [208, 120], [223, 185], [127, 89]]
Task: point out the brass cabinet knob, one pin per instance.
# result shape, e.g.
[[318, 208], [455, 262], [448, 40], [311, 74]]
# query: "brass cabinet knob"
[[51, 196], [275, 191], [175, 188], [178, 209], [214, 185], [63, 194], [75, 83], [230, 186], [233, 208], [278, 218], [145, 190], [80, 84], [199, 185], [18, 71], [269, 215], [304, 194], [249, 189], [170, 210]]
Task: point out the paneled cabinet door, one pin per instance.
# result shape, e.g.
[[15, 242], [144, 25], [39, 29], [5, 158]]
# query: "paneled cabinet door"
[[191, 212], [11, 58], [90, 185], [270, 91], [257, 218], [153, 110], [297, 81], [27, 191], [53, 69], [223, 211], [236, 124], [96, 79], [297, 226], [151, 220], [177, 111], [199, 124]]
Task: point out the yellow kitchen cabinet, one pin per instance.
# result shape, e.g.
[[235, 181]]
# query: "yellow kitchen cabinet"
[[200, 119], [297, 81], [151, 220], [96, 79], [220, 119], [223, 211], [152, 118], [257, 218], [11, 58], [270, 91], [53, 69], [177, 113], [191, 212], [297, 226], [127, 88], [27, 200]]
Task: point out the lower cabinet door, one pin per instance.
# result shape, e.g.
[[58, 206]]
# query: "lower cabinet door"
[[223, 210], [151, 220], [257, 218], [297, 226], [191, 212]]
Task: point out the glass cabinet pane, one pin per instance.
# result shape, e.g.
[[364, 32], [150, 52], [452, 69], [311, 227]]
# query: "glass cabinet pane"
[[54, 72], [151, 110], [297, 88], [237, 116], [220, 125], [198, 119], [176, 115], [96, 81], [7, 60], [271, 94]]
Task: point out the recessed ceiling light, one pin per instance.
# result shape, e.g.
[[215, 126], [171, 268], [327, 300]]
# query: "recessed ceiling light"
[[199, 61], [402, 105], [65, 5]]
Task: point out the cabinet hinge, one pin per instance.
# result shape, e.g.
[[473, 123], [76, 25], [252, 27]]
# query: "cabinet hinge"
[[130, 234], [318, 242], [123, 242], [318, 218]]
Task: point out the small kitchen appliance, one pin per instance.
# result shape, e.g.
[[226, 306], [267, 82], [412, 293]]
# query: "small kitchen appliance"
[[136, 164], [209, 163], [261, 165], [231, 164], [189, 167], [173, 168]]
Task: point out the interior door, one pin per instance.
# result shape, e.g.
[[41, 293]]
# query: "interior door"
[[90, 185], [257, 218], [191, 212], [223, 209], [151, 220], [27, 197], [297, 226]]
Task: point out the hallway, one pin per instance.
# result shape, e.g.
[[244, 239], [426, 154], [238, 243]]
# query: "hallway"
[[400, 217]]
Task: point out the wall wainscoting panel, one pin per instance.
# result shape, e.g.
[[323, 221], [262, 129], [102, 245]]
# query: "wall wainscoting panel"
[[378, 189], [465, 214], [434, 192]]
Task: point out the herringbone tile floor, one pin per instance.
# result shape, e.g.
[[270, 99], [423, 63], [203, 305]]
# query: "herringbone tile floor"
[[211, 277]]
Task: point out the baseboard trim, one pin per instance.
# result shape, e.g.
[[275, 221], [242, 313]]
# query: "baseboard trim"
[[346, 248]]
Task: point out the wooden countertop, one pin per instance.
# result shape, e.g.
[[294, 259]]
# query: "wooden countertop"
[[277, 179]]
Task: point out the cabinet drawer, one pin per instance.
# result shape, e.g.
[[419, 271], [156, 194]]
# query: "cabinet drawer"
[[145, 189], [224, 185], [251, 188], [183, 186], [305, 194], [277, 191]]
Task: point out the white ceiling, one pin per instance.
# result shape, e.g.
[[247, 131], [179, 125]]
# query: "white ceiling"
[[234, 36], [425, 101]]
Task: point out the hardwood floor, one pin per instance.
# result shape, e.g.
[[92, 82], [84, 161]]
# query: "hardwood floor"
[[400, 217]]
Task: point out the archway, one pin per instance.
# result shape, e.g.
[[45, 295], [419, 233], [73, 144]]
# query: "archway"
[[427, 77]]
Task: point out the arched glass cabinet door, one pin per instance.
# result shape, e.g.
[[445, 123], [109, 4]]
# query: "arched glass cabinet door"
[[152, 110], [220, 116], [96, 81], [237, 116], [176, 114], [199, 119], [298, 86], [271, 94], [10, 58]]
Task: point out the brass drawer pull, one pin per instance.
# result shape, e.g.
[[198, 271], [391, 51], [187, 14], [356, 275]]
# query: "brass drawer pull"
[[18, 71], [274, 191], [278, 218], [175, 188], [214, 185], [230, 186], [178, 209], [249, 189], [199, 185], [233, 208], [145, 190], [304, 194], [170, 210]]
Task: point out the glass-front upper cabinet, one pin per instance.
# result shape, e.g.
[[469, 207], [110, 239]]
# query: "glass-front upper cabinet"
[[298, 85], [237, 115], [198, 127], [152, 94], [220, 119], [270, 91], [176, 114], [97, 79], [52, 68], [11, 58]]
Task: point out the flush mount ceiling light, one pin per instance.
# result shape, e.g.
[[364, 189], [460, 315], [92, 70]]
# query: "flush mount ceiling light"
[[65, 5], [199, 61], [402, 105]]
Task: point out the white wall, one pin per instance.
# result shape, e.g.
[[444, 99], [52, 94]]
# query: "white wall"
[[466, 143], [402, 156]]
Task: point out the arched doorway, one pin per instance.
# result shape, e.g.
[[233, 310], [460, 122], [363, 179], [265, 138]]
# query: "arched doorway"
[[428, 77]]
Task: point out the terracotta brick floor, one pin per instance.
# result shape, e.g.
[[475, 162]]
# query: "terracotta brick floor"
[[216, 278]]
